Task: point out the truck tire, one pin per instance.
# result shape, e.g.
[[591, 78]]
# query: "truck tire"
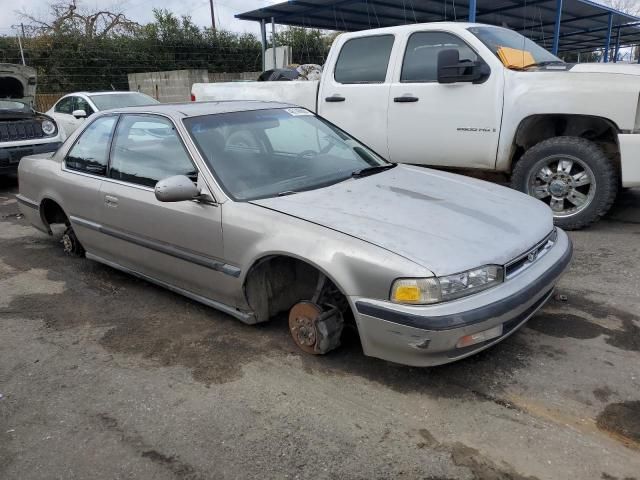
[[570, 174]]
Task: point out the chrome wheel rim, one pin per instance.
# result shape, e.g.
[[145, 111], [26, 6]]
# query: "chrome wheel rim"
[[563, 182]]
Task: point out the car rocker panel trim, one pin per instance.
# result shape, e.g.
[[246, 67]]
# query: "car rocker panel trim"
[[165, 248]]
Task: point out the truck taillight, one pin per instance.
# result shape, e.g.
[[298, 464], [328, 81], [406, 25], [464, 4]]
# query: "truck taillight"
[[193, 97]]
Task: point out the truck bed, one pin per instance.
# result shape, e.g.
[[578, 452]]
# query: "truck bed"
[[303, 93]]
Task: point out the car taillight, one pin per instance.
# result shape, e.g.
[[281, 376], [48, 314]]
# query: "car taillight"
[[193, 97]]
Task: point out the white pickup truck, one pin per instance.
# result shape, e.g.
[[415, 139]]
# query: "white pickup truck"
[[473, 96]]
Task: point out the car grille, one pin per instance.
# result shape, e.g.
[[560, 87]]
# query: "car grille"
[[20, 130], [531, 256]]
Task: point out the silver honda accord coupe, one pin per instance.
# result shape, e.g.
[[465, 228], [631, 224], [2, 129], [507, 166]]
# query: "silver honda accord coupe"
[[259, 209]]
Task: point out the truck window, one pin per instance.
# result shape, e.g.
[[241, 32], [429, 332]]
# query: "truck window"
[[364, 60], [421, 57]]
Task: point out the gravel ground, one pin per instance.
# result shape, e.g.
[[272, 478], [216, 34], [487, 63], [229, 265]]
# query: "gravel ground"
[[103, 376]]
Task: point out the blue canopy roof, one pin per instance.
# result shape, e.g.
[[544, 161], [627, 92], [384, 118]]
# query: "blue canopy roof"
[[584, 24]]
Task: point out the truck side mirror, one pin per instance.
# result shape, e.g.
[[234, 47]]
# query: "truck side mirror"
[[452, 70]]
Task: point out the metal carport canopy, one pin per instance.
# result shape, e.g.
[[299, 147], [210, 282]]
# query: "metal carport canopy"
[[583, 25]]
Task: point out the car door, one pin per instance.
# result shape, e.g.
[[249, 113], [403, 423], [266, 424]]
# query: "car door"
[[454, 125], [354, 95], [179, 243], [84, 168], [62, 114], [79, 104]]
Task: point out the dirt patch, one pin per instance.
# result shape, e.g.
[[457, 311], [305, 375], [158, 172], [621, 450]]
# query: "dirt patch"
[[622, 420], [569, 325], [178, 468], [603, 393], [481, 467]]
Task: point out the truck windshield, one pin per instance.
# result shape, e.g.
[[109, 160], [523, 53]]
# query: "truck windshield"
[[267, 153], [514, 50]]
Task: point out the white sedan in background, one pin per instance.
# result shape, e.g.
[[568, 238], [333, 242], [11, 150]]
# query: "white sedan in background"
[[71, 110]]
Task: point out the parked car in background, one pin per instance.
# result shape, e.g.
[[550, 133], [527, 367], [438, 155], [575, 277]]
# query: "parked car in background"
[[259, 208], [473, 96], [23, 131], [72, 109]]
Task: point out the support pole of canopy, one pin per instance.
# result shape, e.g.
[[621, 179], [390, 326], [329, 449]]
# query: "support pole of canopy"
[[472, 10], [273, 40], [607, 46], [263, 40], [617, 49], [556, 30]]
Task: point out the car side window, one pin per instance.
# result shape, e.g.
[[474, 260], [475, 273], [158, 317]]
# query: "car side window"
[[421, 57], [82, 104], [65, 105], [90, 153], [364, 60], [147, 149]]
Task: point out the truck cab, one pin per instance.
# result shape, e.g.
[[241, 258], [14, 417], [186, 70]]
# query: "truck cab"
[[469, 96]]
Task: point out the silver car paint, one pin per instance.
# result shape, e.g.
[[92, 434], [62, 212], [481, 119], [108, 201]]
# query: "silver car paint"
[[206, 250], [445, 222]]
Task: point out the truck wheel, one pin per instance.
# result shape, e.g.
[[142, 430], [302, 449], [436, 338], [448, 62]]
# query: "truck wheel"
[[71, 244], [570, 174]]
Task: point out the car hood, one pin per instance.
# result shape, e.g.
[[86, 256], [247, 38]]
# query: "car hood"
[[445, 222], [619, 68]]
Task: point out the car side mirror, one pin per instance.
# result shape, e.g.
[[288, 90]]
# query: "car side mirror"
[[79, 114], [178, 188], [452, 70]]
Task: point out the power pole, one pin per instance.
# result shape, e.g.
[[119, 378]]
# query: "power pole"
[[20, 44], [213, 16]]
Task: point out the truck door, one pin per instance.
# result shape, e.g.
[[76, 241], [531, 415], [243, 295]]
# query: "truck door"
[[454, 125], [354, 94]]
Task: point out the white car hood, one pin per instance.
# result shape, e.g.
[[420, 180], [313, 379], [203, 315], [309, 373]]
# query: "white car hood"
[[619, 68], [444, 222]]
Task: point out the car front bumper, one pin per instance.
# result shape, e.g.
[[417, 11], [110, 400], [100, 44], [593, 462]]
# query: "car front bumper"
[[427, 335], [10, 156]]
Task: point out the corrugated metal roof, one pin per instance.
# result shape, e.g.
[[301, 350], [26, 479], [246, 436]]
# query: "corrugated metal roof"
[[584, 24]]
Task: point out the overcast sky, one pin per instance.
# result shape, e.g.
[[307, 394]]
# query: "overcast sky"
[[141, 11]]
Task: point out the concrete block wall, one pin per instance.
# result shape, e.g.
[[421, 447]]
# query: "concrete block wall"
[[175, 85]]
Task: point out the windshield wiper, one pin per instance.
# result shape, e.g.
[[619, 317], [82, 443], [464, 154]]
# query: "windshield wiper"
[[543, 64], [364, 172], [287, 192]]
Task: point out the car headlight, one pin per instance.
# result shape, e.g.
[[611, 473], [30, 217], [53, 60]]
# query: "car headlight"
[[424, 291], [48, 127]]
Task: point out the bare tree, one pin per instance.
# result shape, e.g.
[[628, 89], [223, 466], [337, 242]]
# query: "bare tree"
[[69, 17], [632, 7]]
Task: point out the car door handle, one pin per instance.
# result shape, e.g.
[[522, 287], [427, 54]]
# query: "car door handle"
[[334, 99], [110, 201], [406, 99]]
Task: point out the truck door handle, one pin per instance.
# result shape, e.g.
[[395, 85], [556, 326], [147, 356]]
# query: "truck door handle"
[[110, 201], [406, 99], [334, 99]]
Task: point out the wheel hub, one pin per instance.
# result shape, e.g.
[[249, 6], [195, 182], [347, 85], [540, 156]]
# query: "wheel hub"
[[566, 184], [302, 324], [67, 243], [315, 330], [559, 187]]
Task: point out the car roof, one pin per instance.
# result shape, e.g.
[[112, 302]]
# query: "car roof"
[[196, 109], [106, 92]]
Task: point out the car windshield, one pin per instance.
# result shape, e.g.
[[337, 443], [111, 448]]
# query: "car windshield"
[[120, 100], [514, 50], [267, 153], [11, 105]]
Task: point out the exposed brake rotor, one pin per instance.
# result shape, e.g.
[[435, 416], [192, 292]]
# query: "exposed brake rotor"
[[314, 330]]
